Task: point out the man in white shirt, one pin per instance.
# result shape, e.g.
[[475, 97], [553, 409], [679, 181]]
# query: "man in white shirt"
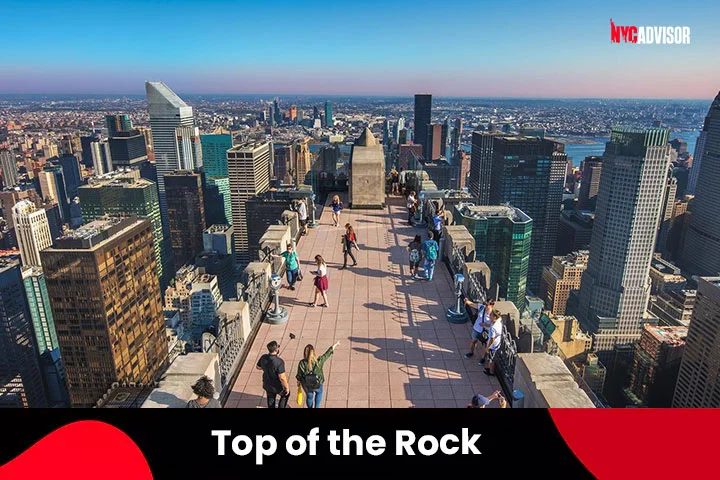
[[481, 327], [494, 341], [302, 216]]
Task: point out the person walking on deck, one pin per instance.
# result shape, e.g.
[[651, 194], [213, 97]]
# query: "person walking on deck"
[[320, 282], [349, 241], [337, 206], [430, 251]]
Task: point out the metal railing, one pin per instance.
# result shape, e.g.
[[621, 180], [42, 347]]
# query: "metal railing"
[[505, 359]]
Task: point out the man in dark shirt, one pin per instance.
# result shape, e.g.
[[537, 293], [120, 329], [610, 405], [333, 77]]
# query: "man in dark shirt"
[[274, 377]]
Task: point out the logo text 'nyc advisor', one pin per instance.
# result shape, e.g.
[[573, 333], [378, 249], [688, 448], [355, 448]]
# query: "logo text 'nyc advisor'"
[[657, 35]]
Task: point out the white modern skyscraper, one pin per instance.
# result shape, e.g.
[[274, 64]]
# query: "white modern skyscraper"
[[615, 288], [249, 173], [701, 254], [167, 113], [32, 230], [9, 168], [102, 160], [189, 148]]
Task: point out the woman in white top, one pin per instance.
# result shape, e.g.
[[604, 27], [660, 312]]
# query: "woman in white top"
[[320, 282]]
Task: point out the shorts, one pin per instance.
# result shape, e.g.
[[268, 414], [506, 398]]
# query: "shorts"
[[414, 265], [491, 354], [303, 222], [478, 336]]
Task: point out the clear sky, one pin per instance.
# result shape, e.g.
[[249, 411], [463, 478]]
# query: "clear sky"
[[520, 48]]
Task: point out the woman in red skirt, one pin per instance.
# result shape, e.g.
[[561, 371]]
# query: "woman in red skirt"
[[321, 281]]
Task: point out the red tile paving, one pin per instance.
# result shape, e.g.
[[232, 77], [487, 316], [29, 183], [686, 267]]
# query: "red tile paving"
[[396, 347]]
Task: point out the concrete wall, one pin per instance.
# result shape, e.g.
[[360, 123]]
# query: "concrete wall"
[[175, 389], [546, 382]]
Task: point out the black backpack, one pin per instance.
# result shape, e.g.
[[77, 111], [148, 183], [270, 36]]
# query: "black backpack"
[[311, 381]]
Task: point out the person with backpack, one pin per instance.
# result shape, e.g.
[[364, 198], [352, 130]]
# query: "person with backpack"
[[430, 250], [349, 241], [337, 206], [310, 374], [481, 326], [415, 249]]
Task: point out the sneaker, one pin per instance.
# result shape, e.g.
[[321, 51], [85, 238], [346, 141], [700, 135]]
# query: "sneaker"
[[291, 287], [487, 372], [468, 355], [481, 362]]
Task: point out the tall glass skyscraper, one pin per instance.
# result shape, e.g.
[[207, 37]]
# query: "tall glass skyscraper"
[[328, 114], [702, 244], [503, 236], [529, 174], [167, 113], [615, 288], [214, 153]]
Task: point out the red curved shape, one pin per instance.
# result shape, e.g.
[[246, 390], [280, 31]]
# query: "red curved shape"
[[81, 450], [642, 443]]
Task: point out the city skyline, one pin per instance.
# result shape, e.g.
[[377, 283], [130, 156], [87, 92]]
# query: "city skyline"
[[327, 53]]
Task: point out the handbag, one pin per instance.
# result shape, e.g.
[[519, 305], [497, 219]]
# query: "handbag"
[[300, 396]]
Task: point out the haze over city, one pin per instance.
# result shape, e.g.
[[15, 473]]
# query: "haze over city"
[[483, 49]]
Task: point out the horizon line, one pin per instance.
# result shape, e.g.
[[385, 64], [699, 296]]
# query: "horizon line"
[[378, 95]]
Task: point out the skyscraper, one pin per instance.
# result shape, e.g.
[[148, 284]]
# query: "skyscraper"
[[46, 342], [189, 148], [32, 231], [399, 125], [591, 172], [666, 216], [481, 167], [698, 384], [118, 123], [101, 157], [558, 279], [9, 168], [186, 211], [128, 149], [529, 173], [20, 379], [105, 297], [434, 148], [503, 236], [697, 161], [71, 173], [615, 287], [328, 114], [126, 194], [303, 161], [167, 112], [423, 113], [249, 172], [214, 152], [702, 244]]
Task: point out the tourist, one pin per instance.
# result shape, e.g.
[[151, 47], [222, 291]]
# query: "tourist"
[[205, 392], [430, 250], [412, 206], [349, 241], [292, 265], [395, 182], [320, 282], [310, 374], [275, 381], [480, 401], [494, 342], [402, 176], [480, 331], [415, 249], [302, 216], [438, 224], [337, 206]]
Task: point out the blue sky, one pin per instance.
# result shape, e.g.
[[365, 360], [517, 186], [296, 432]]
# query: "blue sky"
[[474, 48]]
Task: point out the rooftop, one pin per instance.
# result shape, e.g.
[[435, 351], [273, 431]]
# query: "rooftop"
[[396, 347], [673, 335], [487, 211], [94, 233]]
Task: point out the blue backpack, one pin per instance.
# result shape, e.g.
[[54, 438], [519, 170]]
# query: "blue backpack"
[[431, 249]]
